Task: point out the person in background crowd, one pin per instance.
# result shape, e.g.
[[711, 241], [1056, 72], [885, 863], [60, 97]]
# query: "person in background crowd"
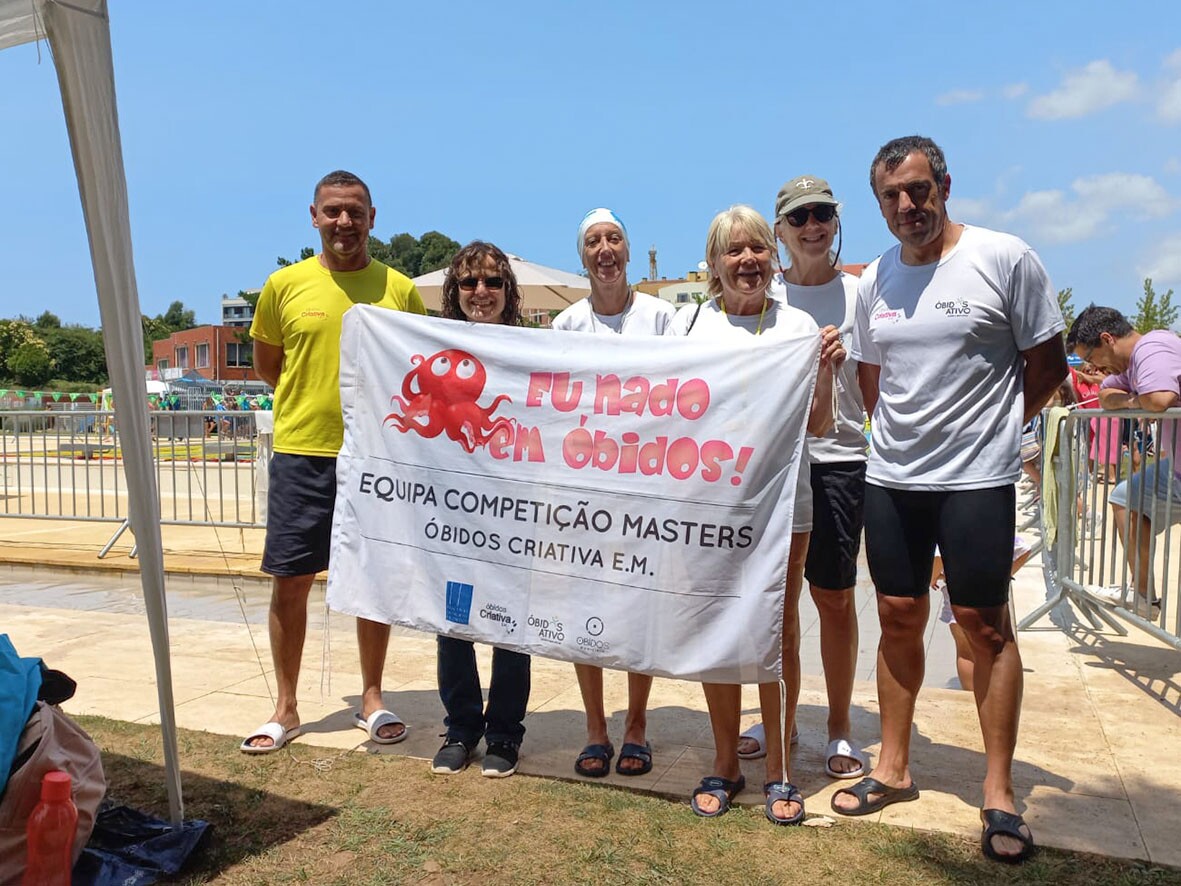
[[1145, 374]]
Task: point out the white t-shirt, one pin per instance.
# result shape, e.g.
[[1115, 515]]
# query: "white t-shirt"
[[778, 320], [948, 337], [833, 304], [646, 315]]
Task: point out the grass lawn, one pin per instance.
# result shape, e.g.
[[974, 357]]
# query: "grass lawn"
[[359, 818]]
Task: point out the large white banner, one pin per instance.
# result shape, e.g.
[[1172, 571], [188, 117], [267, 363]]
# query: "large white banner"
[[618, 501]]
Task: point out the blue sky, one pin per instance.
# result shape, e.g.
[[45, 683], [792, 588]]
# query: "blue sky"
[[1061, 123]]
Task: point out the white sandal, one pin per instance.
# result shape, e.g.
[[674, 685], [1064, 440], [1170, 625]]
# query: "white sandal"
[[373, 723], [840, 747], [275, 732], [758, 735]]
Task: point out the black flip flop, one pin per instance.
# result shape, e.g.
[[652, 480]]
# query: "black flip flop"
[[603, 752], [633, 751], [723, 789], [868, 786], [776, 791], [999, 823]]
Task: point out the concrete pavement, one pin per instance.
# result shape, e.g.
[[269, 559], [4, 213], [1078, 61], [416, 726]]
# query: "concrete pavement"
[[1096, 767]]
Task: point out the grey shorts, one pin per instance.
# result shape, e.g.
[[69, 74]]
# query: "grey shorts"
[[300, 501]]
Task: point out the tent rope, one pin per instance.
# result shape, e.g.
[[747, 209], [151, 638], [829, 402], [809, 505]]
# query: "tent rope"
[[320, 764]]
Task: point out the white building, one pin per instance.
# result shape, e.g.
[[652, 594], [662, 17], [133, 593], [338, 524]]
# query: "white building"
[[236, 311]]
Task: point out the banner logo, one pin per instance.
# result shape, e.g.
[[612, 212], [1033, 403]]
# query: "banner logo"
[[459, 602], [441, 393]]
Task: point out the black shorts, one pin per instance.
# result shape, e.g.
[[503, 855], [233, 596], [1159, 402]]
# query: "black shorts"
[[974, 529], [838, 514], [300, 499]]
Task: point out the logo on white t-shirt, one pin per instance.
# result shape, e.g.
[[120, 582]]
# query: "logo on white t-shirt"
[[891, 316], [959, 308]]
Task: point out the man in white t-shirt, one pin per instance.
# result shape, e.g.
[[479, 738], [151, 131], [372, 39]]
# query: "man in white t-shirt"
[[957, 336], [612, 308]]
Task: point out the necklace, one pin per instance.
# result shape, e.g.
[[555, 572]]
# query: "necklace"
[[762, 312], [631, 300]]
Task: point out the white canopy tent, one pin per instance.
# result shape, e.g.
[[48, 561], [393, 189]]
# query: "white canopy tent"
[[79, 39]]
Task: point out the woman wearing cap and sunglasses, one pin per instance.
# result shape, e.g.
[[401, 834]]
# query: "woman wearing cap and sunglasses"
[[480, 287], [740, 252], [807, 222]]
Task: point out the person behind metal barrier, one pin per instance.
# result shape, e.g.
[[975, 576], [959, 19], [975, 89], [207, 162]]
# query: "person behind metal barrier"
[[480, 287], [740, 252], [957, 341], [1145, 374], [296, 332], [612, 308]]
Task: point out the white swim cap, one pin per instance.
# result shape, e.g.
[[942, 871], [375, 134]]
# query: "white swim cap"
[[594, 217]]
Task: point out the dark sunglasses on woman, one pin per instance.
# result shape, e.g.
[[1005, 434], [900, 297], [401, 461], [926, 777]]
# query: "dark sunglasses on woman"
[[470, 283], [822, 212]]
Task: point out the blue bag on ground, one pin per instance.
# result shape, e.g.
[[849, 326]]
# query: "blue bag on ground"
[[20, 678], [131, 848]]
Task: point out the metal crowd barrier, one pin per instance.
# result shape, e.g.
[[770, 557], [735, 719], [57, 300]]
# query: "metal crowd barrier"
[[69, 466], [1085, 550]]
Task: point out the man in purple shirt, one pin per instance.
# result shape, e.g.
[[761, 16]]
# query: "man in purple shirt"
[[1146, 374]]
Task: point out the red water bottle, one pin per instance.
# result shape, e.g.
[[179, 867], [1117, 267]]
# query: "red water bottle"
[[51, 834]]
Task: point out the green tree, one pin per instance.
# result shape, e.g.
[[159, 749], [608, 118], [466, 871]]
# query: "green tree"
[[30, 364], [14, 334], [1153, 313], [48, 320], [306, 252], [403, 252], [78, 354], [437, 252], [176, 318], [1066, 306]]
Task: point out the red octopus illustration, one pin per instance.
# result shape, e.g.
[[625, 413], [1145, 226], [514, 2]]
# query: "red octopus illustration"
[[440, 394]]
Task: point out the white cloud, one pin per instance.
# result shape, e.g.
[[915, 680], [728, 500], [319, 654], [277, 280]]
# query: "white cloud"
[[1055, 216], [1164, 264], [967, 209], [1014, 90], [1085, 91], [959, 97], [1168, 106], [1173, 60]]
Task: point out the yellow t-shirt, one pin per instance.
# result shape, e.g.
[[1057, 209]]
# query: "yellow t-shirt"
[[300, 310]]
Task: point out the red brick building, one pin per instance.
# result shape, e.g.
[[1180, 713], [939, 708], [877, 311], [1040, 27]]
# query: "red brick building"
[[217, 352]]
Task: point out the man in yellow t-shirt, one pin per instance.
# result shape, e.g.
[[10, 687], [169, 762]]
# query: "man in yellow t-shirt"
[[296, 333]]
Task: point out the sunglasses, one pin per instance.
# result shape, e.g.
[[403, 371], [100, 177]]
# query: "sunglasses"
[[822, 212], [470, 283]]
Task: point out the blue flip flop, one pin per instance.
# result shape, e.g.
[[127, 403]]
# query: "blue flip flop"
[[633, 751], [777, 791], [998, 823], [603, 752], [715, 786]]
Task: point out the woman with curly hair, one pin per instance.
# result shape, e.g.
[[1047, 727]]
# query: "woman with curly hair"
[[480, 287]]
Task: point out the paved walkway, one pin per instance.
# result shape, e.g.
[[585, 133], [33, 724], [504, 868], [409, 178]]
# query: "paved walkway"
[[1096, 768]]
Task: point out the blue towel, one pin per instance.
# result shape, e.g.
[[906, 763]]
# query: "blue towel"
[[20, 678]]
